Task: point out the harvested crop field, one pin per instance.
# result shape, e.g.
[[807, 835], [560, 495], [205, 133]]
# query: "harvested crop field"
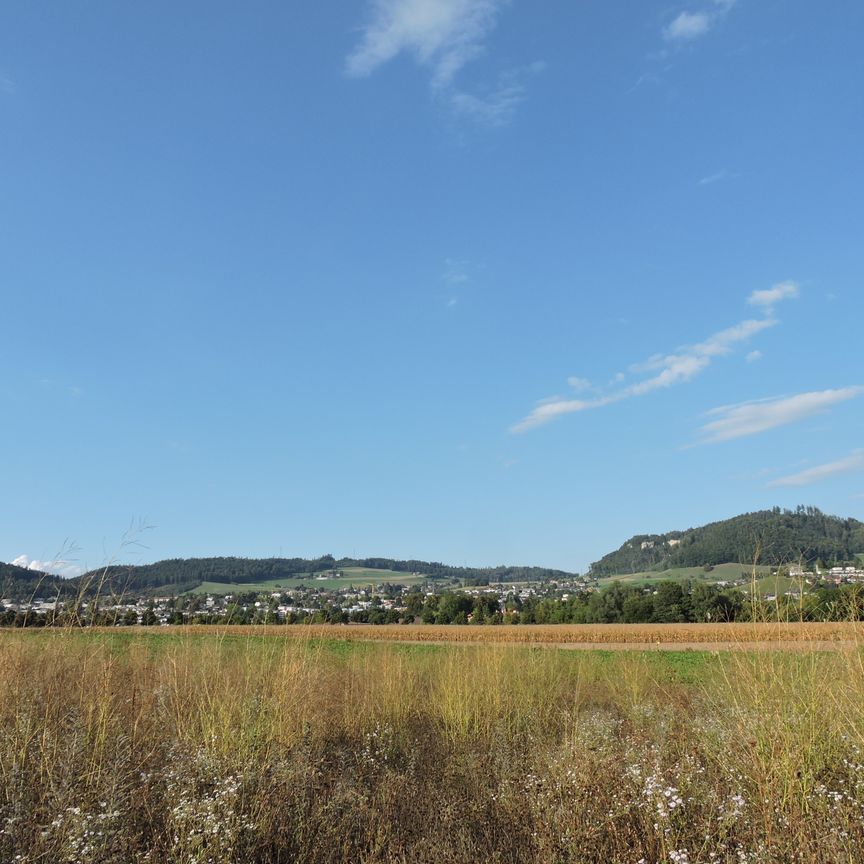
[[730, 636]]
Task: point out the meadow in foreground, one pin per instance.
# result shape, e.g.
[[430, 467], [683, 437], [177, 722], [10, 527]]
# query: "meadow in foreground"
[[142, 747]]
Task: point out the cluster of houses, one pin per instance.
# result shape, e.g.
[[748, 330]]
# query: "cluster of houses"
[[290, 603], [838, 575]]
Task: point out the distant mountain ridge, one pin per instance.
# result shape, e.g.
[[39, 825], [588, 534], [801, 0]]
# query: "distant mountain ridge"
[[177, 575], [765, 537]]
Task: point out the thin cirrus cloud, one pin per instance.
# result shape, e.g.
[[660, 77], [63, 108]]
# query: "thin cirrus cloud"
[[713, 178], [442, 36], [663, 370], [852, 463], [750, 418]]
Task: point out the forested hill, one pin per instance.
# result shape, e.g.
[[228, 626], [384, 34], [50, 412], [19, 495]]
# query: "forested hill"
[[20, 583], [181, 574], [767, 536]]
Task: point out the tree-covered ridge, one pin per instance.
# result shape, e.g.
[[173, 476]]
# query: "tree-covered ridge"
[[18, 582], [773, 536], [181, 574], [437, 570]]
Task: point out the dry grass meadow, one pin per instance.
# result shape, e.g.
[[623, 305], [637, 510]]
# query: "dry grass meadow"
[[237, 745]]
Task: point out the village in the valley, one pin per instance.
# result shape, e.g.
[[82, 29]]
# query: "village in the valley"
[[385, 602]]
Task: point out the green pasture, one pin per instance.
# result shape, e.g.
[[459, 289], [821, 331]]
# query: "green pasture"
[[765, 582], [687, 666], [359, 577], [720, 573]]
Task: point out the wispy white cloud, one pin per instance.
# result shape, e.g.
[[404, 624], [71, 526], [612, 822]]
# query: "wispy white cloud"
[[7, 84], [668, 370], [442, 36], [689, 25], [770, 297], [58, 567], [753, 356], [750, 418], [852, 463]]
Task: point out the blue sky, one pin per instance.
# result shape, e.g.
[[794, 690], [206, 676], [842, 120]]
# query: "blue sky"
[[465, 280]]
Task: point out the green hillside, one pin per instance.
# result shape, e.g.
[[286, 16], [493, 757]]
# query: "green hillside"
[[359, 577], [718, 573], [769, 537]]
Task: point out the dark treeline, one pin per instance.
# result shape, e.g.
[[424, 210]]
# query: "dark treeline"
[[468, 575], [667, 602], [773, 537]]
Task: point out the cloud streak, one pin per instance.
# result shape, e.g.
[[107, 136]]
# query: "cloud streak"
[[668, 370], [770, 297], [751, 418], [713, 178], [852, 463], [442, 36]]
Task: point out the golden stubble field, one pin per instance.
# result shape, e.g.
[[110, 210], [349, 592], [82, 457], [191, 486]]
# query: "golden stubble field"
[[723, 636]]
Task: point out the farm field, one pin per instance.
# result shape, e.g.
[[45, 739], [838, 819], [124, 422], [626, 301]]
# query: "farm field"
[[359, 577], [235, 745], [743, 634]]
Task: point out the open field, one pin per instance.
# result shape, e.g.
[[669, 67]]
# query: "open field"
[[359, 577], [230, 745]]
